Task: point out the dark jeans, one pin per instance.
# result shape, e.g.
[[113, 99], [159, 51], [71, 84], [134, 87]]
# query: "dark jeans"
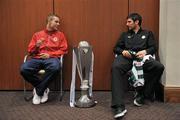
[[152, 73], [29, 70]]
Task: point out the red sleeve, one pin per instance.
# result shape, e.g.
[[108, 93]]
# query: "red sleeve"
[[32, 45]]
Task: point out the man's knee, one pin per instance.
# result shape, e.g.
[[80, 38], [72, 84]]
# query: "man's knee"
[[161, 67], [120, 68], [115, 66], [23, 69], [54, 68]]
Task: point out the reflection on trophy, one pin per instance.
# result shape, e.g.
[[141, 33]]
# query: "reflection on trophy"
[[83, 59]]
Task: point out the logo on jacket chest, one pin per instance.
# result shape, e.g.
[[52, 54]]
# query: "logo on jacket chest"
[[143, 36], [55, 39], [129, 36]]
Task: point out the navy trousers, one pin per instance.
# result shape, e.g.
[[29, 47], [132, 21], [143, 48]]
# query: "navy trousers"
[[29, 71]]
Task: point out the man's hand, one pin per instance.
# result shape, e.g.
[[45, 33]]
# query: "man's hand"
[[40, 42], [44, 55], [125, 53], [141, 54]]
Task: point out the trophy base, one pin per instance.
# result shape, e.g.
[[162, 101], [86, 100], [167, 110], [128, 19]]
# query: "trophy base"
[[85, 102]]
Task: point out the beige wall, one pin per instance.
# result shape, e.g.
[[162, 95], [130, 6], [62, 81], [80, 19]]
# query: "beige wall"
[[169, 41]]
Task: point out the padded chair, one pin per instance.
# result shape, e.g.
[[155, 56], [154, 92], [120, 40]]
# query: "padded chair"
[[42, 72]]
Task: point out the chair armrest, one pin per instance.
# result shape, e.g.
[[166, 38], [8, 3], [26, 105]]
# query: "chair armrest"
[[25, 58], [61, 59]]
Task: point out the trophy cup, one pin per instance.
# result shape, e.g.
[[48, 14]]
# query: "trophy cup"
[[83, 59]]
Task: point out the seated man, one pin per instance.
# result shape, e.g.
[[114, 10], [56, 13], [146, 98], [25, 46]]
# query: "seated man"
[[142, 43], [44, 48]]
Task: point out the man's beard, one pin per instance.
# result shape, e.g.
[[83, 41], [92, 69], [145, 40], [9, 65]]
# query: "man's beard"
[[131, 28]]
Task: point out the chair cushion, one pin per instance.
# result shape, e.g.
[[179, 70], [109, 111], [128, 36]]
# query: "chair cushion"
[[41, 72]]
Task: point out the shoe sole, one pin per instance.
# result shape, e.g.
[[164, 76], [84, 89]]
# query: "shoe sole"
[[36, 103], [43, 102], [121, 114], [137, 104]]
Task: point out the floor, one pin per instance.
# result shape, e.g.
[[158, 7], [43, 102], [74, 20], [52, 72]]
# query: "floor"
[[14, 107]]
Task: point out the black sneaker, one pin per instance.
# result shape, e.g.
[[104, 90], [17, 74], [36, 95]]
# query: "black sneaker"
[[119, 112], [139, 99], [139, 96]]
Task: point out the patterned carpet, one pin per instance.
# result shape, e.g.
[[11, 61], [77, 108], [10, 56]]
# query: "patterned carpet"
[[14, 107]]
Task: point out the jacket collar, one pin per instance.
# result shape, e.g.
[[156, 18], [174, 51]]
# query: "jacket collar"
[[132, 32], [49, 32]]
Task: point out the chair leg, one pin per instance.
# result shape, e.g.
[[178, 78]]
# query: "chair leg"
[[61, 85], [26, 98]]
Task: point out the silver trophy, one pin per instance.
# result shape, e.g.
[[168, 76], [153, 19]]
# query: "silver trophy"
[[83, 59]]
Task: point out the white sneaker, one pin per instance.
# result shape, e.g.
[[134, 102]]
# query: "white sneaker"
[[36, 99], [45, 96]]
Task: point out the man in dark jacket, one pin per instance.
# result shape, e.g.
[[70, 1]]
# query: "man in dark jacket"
[[142, 43]]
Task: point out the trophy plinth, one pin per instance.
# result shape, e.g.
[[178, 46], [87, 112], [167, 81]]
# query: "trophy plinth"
[[85, 101]]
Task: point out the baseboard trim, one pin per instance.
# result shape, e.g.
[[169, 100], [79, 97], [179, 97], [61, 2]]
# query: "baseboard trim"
[[172, 94]]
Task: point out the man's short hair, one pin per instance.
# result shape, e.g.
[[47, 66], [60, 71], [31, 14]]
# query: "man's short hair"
[[134, 17], [51, 17]]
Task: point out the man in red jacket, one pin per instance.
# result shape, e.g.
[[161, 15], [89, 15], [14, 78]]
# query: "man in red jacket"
[[45, 48]]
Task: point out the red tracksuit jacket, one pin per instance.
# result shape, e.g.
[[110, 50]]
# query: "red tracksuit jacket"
[[54, 43]]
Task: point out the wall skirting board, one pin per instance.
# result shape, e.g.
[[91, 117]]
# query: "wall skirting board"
[[172, 94]]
